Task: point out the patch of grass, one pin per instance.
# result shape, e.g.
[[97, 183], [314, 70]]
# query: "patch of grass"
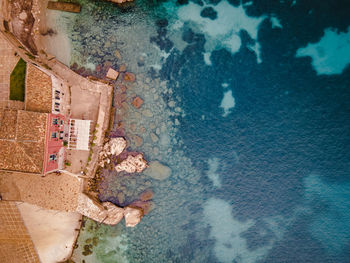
[[17, 81]]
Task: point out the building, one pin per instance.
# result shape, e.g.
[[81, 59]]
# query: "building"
[[32, 139]]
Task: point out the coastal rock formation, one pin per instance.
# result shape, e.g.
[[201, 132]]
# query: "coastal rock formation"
[[158, 171], [146, 206], [120, 1], [132, 164], [114, 213], [117, 145], [106, 212], [114, 147], [133, 216]]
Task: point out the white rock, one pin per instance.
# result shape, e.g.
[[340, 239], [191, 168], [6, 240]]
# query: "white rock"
[[114, 214], [112, 74], [154, 137], [132, 216], [132, 164], [106, 212], [147, 113], [117, 145]]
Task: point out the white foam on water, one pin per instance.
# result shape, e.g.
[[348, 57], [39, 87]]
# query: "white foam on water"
[[276, 23], [223, 32], [228, 102], [330, 226], [226, 231], [331, 54], [206, 57], [212, 173]]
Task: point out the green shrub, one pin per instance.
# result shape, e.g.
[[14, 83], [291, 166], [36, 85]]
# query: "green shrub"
[[17, 81], [31, 56]]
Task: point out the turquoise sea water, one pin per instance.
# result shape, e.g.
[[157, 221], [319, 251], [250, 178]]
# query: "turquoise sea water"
[[247, 102]]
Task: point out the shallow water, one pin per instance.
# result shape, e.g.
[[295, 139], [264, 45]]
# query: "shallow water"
[[248, 104]]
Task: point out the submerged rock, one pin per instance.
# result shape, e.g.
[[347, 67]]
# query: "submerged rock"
[[132, 164], [154, 137], [148, 113], [146, 195], [130, 77], [158, 171], [132, 216], [138, 141], [117, 54], [137, 102], [121, 197], [209, 12], [146, 206], [122, 68]]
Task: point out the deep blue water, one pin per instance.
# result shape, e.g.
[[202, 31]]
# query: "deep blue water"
[[284, 148], [280, 137]]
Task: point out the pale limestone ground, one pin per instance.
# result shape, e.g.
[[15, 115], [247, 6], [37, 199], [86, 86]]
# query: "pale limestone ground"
[[7, 63], [78, 160], [53, 232]]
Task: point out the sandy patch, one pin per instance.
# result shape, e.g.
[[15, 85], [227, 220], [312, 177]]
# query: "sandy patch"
[[53, 232], [57, 44]]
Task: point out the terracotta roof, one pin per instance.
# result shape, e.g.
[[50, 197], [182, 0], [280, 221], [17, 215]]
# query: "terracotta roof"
[[8, 121], [23, 149], [38, 90]]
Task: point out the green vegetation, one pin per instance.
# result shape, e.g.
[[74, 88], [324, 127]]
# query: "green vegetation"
[[47, 67], [17, 81], [30, 55]]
